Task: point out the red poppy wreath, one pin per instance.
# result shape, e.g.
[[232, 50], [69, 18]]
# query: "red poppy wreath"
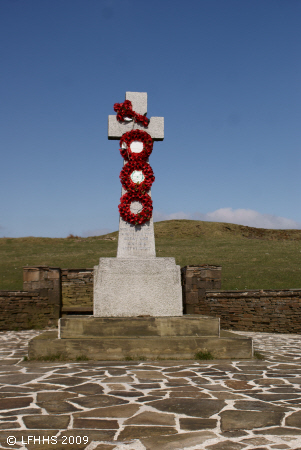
[[134, 136], [144, 175], [126, 213]]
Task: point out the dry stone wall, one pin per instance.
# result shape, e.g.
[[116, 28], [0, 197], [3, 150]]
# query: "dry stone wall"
[[25, 310], [255, 310], [77, 290]]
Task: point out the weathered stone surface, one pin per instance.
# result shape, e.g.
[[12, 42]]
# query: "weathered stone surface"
[[65, 381], [84, 327], [194, 424], [238, 385], [126, 393], [56, 407], [95, 423], [294, 420], [247, 420], [121, 284], [113, 411], [191, 407], [226, 445], [98, 400], [178, 441], [137, 432], [46, 422], [15, 402], [6, 425], [280, 431], [151, 418], [253, 405], [256, 441], [49, 396]]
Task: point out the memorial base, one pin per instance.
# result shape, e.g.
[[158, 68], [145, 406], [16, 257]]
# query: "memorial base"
[[155, 338], [125, 287]]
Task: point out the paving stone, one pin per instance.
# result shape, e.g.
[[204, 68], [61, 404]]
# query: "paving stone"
[[20, 412], [238, 384], [190, 394], [137, 432], [226, 395], [183, 374], [176, 442], [95, 423], [15, 402], [247, 420], [65, 381], [256, 441], [126, 393], [274, 397], [94, 401], [145, 386], [191, 407], [148, 398], [122, 379], [47, 422], [214, 387], [49, 396], [87, 388], [280, 446], [56, 407], [269, 381], [234, 433], [279, 431], [113, 411], [226, 445], [7, 425], [151, 418], [294, 420], [17, 378], [194, 424], [149, 375], [254, 405]]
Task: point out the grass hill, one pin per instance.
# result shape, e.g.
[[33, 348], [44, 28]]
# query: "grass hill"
[[251, 258]]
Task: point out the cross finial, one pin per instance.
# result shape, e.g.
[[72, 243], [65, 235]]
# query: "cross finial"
[[139, 104]]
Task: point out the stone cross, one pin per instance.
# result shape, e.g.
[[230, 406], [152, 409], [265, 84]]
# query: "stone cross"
[[136, 241]]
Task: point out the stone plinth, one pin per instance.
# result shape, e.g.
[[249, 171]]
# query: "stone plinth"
[[126, 287], [89, 327]]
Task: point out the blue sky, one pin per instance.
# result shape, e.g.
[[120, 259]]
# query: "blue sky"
[[225, 74]]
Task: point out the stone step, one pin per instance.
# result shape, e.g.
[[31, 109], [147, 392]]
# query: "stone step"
[[85, 327], [47, 345]]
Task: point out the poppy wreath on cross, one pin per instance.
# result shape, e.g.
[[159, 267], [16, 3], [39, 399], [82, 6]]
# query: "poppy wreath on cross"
[[135, 136], [125, 113], [126, 213], [137, 176]]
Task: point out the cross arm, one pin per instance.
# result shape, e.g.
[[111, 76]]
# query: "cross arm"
[[117, 129]]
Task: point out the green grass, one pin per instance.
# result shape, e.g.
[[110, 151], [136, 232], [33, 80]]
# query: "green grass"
[[251, 258], [204, 356]]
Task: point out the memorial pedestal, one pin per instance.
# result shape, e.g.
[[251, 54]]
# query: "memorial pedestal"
[[125, 287]]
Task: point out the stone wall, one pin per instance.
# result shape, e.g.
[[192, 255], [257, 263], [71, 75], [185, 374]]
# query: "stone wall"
[[269, 311], [26, 310], [77, 290], [195, 281]]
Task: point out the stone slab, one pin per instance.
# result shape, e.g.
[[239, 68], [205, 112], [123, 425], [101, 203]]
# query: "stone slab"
[[155, 128], [85, 327], [125, 287], [105, 349], [136, 241]]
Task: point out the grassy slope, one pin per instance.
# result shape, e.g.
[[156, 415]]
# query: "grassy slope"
[[251, 258]]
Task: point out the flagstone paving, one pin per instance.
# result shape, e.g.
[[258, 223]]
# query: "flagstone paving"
[[149, 405]]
